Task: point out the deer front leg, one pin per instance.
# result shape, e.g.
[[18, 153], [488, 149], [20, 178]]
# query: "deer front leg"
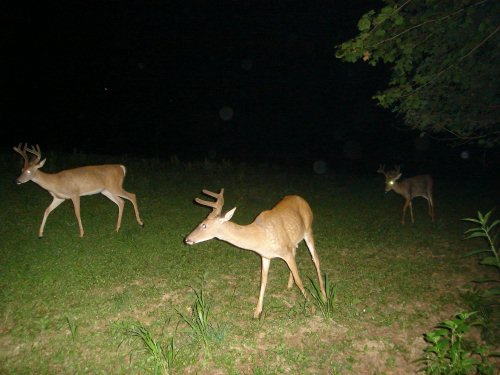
[[405, 206], [290, 281], [76, 206], [290, 261], [56, 202], [263, 282], [312, 249], [411, 212]]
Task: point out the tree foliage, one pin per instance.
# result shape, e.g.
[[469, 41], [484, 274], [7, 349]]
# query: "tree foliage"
[[445, 61]]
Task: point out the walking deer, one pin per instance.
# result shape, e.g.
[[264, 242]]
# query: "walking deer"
[[77, 182], [409, 188], [275, 233]]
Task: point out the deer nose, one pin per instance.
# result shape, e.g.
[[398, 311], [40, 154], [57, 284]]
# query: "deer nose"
[[189, 241], [18, 182]]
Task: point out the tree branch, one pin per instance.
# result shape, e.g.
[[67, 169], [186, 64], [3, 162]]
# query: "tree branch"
[[438, 74], [425, 22]]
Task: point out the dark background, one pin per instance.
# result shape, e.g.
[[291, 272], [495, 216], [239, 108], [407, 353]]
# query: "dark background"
[[239, 80]]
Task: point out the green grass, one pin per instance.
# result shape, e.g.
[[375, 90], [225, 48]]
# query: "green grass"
[[62, 295]]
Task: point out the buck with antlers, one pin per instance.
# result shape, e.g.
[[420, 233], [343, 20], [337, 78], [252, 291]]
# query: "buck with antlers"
[[273, 234], [409, 188], [77, 182]]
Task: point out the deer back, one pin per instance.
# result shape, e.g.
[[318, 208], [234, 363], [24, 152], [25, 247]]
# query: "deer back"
[[287, 222], [86, 180]]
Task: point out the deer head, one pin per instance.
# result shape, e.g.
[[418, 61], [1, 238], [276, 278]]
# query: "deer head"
[[390, 177], [30, 166], [210, 227]]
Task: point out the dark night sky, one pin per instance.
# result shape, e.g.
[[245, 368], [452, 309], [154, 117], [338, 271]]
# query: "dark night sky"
[[158, 77]]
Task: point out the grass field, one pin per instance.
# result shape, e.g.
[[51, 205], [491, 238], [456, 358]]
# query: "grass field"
[[64, 298]]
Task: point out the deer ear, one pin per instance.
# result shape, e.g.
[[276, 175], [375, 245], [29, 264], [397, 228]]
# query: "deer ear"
[[398, 176], [40, 165], [229, 215]]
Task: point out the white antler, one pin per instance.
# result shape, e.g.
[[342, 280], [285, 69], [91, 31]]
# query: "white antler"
[[37, 152], [21, 150], [381, 169], [217, 205]]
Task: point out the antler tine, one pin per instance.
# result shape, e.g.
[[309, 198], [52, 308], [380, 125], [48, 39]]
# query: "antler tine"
[[397, 168], [381, 169], [212, 194], [217, 205], [37, 152], [21, 150]]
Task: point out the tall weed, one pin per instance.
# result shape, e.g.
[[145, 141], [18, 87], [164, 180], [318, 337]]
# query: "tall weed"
[[324, 306], [163, 356], [201, 329]]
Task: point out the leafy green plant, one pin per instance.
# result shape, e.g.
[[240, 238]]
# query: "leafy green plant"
[[324, 306], [490, 233], [163, 356], [447, 354], [42, 323], [484, 299], [486, 311], [202, 330]]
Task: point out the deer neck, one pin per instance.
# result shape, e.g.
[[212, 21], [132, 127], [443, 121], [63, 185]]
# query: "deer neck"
[[249, 237], [45, 180], [400, 187]]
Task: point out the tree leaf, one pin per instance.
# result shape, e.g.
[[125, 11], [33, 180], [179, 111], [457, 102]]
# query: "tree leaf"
[[476, 234], [490, 261], [448, 53], [364, 24], [477, 251], [491, 292]]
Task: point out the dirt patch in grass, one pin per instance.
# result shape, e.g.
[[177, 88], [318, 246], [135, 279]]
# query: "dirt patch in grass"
[[327, 331]]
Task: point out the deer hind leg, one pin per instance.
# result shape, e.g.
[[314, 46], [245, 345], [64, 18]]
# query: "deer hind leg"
[[76, 206], [263, 282], [119, 202], [411, 212], [56, 202], [132, 198], [312, 249], [430, 205]]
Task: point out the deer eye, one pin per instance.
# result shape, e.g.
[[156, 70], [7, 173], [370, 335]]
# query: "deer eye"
[[391, 182], [203, 226]]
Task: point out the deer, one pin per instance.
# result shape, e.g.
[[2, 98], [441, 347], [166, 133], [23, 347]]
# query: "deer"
[[409, 188], [74, 183], [274, 233]]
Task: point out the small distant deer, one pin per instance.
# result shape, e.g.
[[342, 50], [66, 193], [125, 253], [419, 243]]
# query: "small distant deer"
[[273, 234], [77, 182], [409, 188]]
